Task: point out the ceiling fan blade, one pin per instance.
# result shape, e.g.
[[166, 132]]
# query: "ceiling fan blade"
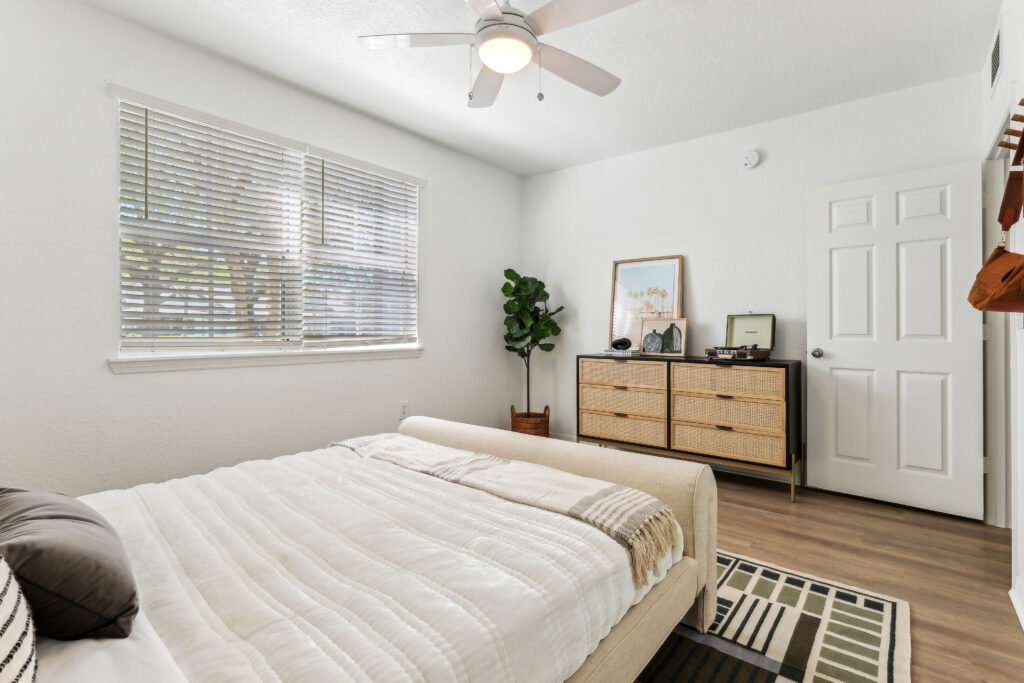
[[485, 9], [416, 40], [575, 70], [560, 14], [486, 88]]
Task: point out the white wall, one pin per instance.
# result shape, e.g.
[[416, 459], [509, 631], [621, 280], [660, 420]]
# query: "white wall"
[[1016, 473], [998, 103], [66, 422], [741, 232], [999, 100]]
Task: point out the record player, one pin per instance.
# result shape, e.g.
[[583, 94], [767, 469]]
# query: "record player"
[[751, 352], [748, 337]]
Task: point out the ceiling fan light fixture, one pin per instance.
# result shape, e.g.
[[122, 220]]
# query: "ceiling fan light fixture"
[[505, 48], [505, 39]]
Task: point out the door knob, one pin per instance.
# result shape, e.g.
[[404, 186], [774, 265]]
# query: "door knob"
[[817, 353]]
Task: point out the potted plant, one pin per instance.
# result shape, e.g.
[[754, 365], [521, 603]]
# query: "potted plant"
[[528, 322]]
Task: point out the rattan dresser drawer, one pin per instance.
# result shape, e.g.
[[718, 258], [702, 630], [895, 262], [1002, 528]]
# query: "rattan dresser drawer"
[[622, 400], [623, 428], [731, 380], [762, 449], [734, 412], [626, 373]]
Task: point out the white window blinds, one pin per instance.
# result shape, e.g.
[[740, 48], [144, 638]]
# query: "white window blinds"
[[359, 232], [230, 241]]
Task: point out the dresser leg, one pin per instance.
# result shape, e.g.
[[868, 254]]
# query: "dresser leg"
[[792, 484], [803, 464]]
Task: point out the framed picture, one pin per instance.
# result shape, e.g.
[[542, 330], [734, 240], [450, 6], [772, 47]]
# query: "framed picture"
[[644, 289], [664, 336]]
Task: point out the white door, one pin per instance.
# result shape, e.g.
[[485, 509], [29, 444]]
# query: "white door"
[[894, 402]]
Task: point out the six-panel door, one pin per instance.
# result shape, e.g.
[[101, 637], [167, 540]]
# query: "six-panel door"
[[894, 404]]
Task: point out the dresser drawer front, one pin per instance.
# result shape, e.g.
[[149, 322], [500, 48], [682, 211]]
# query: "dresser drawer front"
[[761, 415], [622, 400], [762, 449], [631, 429], [629, 373], [731, 380]]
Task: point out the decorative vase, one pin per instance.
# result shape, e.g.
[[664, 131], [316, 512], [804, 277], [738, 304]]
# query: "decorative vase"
[[652, 342], [531, 423], [672, 340]]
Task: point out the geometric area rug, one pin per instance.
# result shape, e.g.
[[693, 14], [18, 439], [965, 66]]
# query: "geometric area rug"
[[774, 624]]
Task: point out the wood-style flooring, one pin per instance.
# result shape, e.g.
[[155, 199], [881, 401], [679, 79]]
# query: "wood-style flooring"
[[955, 573]]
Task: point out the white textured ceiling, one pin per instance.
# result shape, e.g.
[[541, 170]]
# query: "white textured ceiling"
[[689, 67]]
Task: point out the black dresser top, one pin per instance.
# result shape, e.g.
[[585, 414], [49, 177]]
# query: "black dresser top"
[[770, 363]]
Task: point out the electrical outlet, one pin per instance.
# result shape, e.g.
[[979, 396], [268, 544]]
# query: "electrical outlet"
[[403, 410]]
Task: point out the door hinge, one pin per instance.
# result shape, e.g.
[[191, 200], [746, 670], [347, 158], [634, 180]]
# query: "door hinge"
[[986, 331], [984, 464]]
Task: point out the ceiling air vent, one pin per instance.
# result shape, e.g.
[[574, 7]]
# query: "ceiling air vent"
[[994, 61]]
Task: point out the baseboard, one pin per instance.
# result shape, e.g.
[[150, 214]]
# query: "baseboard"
[[1017, 598], [563, 437]]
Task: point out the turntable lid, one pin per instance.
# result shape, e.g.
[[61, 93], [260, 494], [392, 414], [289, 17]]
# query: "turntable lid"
[[747, 330]]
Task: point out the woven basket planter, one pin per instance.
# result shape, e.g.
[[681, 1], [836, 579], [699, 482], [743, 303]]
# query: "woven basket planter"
[[531, 423]]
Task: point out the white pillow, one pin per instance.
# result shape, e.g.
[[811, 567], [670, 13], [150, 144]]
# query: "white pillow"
[[17, 635]]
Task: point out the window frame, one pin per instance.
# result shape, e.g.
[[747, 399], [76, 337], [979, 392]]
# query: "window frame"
[[134, 359]]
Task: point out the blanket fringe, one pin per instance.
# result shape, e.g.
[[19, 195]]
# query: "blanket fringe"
[[651, 542]]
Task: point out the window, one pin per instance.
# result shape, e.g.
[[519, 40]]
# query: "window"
[[229, 241], [359, 255]]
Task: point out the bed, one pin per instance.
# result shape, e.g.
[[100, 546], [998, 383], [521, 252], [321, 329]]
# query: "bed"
[[327, 566]]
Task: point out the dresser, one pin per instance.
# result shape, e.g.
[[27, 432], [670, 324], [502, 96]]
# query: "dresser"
[[742, 414]]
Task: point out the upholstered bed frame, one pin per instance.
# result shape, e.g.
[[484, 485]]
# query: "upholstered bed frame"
[[688, 592]]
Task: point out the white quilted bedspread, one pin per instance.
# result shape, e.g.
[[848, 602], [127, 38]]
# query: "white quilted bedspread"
[[324, 566]]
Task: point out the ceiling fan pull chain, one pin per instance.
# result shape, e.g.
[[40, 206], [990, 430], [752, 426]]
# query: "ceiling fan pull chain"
[[471, 72], [540, 72]]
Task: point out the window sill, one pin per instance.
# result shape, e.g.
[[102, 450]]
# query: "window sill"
[[152, 362]]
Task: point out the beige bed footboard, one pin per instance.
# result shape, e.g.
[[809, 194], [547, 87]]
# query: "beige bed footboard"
[[686, 487]]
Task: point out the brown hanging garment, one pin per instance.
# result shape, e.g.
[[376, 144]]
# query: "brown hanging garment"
[[999, 285]]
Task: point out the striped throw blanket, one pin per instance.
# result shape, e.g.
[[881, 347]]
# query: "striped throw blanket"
[[639, 522]]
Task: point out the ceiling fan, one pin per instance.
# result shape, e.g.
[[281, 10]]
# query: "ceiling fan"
[[506, 40]]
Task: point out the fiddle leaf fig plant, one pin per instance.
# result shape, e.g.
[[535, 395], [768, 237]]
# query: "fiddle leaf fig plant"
[[528, 321]]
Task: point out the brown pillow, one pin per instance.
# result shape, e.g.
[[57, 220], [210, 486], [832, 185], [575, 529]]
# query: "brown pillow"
[[70, 563]]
